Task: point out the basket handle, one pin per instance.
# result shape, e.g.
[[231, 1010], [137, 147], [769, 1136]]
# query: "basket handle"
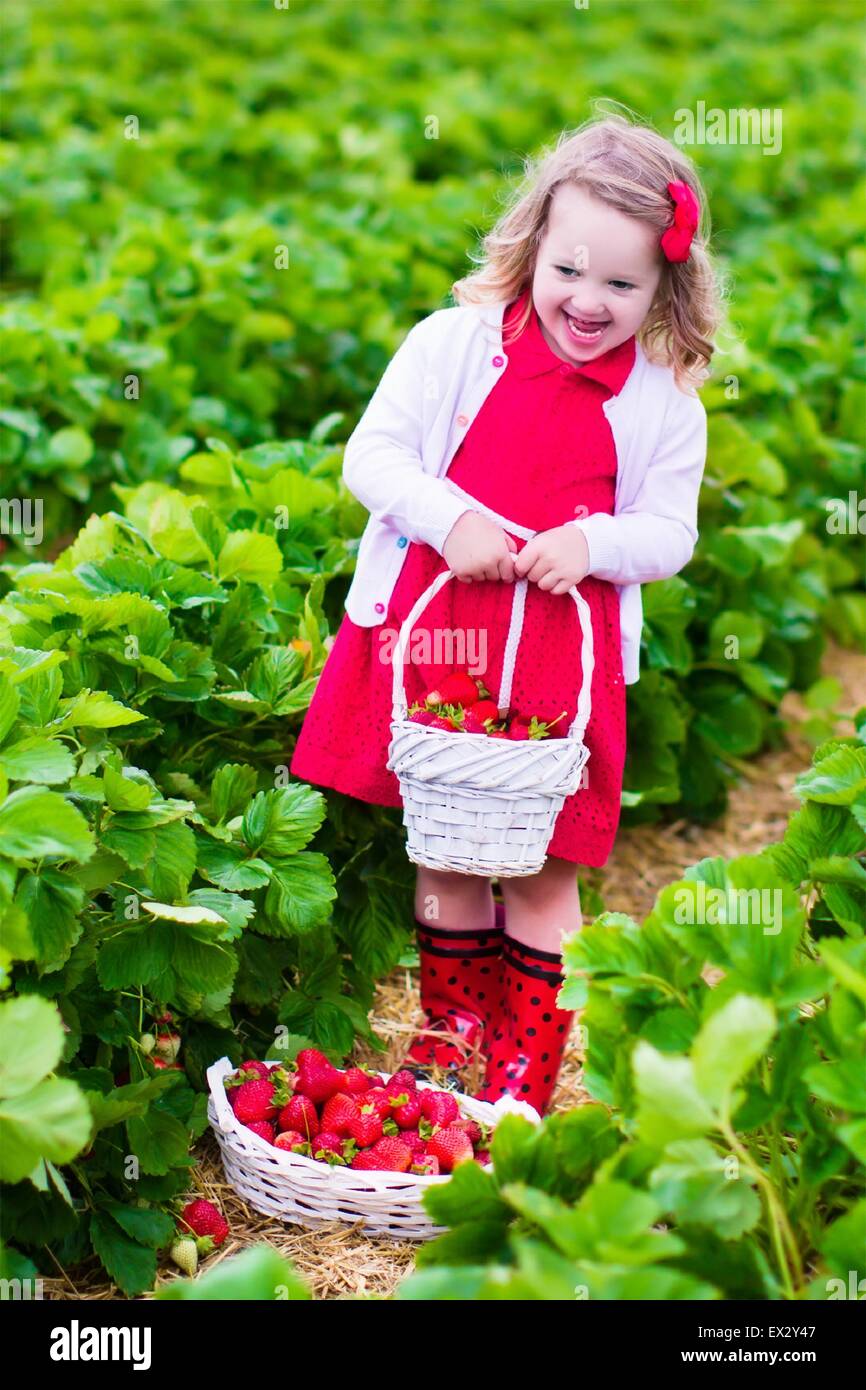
[[578, 725], [216, 1075]]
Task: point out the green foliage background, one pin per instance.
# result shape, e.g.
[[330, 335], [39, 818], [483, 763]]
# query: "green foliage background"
[[149, 688]]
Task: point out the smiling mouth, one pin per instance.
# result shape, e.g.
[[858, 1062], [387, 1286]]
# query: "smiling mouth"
[[583, 331]]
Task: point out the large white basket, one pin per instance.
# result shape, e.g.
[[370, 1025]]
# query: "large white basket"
[[478, 805], [307, 1192]]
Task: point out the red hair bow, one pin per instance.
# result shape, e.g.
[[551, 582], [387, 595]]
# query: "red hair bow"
[[676, 241]]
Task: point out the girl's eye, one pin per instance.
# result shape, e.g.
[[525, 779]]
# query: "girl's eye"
[[571, 270]]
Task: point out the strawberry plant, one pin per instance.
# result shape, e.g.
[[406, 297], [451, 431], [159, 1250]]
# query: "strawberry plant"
[[724, 1152]]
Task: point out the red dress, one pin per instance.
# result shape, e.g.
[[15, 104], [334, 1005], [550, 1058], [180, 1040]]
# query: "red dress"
[[539, 451]]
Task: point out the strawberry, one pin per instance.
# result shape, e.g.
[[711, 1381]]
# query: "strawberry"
[[485, 709], [497, 733], [254, 1100], [300, 1114], [483, 1156], [184, 1252], [316, 1077], [330, 1148], [473, 1129], [422, 716], [337, 1112], [356, 1081], [535, 728], [387, 1155], [365, 1129], [376, 1101], [258, 1068], [451, 1146], [161, 1064], [439, 1107], [203, 1219], [167, 1046], [401, 1081], [457, 689], [263, 1129], [439, 723], [472, 724], [292, 1142], [426, 1166], [407, 1112], [147, 1042], [414, 1140]]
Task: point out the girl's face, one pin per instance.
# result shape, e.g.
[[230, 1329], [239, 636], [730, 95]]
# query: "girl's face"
[[596, 275]]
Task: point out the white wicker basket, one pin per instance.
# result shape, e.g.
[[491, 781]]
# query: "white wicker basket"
[[478, 805], [307, 1192]]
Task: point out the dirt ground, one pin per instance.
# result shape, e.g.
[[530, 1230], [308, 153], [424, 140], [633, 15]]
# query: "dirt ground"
[[340, 1262]]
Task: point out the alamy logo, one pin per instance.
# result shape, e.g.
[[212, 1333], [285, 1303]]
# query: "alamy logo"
[[76, 1343], [22, 516], [703, 906]]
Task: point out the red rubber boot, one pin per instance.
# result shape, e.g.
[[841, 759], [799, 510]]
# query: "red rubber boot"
[[531, 1032], [461, 981]]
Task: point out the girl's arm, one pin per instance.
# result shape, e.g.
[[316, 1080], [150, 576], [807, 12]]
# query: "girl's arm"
[[654, 537], [382, 463]]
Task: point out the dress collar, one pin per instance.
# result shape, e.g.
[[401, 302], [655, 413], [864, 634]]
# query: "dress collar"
[[530, 356]]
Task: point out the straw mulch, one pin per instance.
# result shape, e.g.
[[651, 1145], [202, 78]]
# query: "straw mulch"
[[339, 1262]]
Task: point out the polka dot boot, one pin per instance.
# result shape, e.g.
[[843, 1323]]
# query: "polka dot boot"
[[460, 990], [529, 1036]]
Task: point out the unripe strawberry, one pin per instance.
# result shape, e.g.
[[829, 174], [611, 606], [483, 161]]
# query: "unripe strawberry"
[[167, 1046], [185, 1255], [147, 1042]]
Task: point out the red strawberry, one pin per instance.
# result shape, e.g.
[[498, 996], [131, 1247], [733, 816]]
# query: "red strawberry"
[[426, 1166], [497, 733], [407, 1112], [483, 1156], [376, 1101], [356, 1081], [471, 1128], [365, 1129], [162, 1065], [316, 1077], [401, 1081], [439, 723], [292, 1142], [457, 689], [535, 728], [203, 1219], [422, 716], [486, 709], [330, 1148], [439, 1107], [263, 1129], [254, 1100], [259, 1068], [387, 1155], [414, 1140], [300, 1114], [451, 1146], [337, 1112], [472, 724]]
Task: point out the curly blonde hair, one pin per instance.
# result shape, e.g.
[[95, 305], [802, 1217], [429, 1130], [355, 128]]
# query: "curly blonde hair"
[[627, 165]]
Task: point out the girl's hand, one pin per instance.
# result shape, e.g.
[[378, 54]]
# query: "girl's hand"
[[476, 548], [554, 559]]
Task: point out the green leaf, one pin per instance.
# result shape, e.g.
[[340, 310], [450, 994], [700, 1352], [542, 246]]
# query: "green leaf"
[[232, 787], [34, 823], [694, 1184], [134, 956], [728, 1046], [31, 1043], [93, 709], [42, 760], [130, 1265], [837, 779], [230, 867], [277, 823], [52, 901], [300, 892], [71, 446], [670, 1103], [174, 860], [9, 703], [250, 555], [158, 1141], [146, 1226]]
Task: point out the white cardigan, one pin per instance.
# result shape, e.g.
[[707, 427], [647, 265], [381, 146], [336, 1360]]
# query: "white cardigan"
[[430, 392]]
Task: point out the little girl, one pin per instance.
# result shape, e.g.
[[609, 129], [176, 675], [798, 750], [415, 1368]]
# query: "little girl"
[[558, 396]]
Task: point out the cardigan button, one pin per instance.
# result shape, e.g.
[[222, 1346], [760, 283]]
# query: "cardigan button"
[[402, 542], [380, 607], [581, 510], [565, 370], [498, 361], [463, 419]]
